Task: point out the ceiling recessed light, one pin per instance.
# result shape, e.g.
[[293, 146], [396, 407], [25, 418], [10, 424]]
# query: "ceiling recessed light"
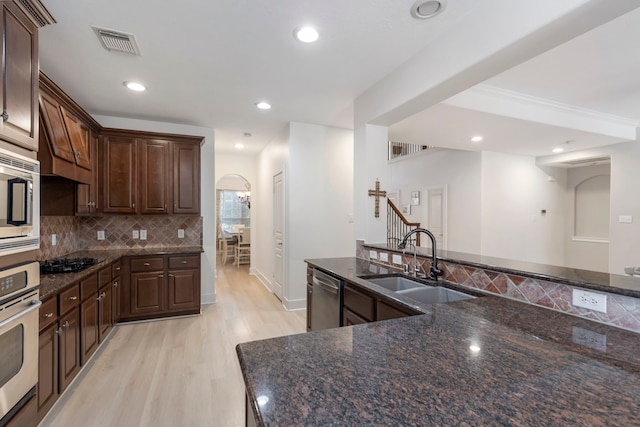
[[557, 150], [422, 9], [306, 34], [263, 105], [137, 87], [477, 138], [239, 146]]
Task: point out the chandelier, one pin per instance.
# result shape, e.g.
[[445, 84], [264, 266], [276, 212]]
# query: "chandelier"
[[244, 197]]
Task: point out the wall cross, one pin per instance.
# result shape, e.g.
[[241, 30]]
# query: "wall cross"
[[377, 194]]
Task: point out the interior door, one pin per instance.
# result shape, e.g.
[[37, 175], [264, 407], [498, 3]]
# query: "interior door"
[[436, 215], [278, 234]]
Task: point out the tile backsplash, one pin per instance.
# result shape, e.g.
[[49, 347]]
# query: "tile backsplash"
[[622, 311], [80, 233]]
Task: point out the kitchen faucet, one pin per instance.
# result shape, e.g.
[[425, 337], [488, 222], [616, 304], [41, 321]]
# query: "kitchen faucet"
[[434, 271]]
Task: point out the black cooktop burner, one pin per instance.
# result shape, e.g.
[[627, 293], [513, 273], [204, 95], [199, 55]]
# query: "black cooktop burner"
[[67, 265]]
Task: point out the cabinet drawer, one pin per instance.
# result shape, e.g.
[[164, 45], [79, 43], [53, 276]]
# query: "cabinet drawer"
[[387, 311], [69, 299], [115, 269], [147, 264], [187, 261], [361, 304], [104, 277], [48, 312], [89, 287]]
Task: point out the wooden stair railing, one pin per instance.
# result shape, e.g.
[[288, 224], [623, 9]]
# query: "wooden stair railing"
[[398, 226]]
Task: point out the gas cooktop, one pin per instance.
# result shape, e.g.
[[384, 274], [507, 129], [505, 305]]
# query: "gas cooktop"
[[67, 265]]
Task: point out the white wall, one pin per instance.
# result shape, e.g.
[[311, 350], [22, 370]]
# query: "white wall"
[[514, 192], [582, 254], [233, 182], [207, 201], [460, 172], [272, 160], [320, 201]]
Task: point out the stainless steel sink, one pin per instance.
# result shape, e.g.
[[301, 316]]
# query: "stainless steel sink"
[[397, 284], [434, 295]]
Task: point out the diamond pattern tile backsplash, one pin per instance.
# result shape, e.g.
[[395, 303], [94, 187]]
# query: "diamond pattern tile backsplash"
[[80, 233], [622, 311]]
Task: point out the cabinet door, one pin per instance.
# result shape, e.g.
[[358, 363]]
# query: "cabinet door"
[[69, 347], [105, 305], [48, 369], [120, 182], [147, 292], [19, 88], [154, 176], [385, 311], [87, 194], [79, 137], [350, 318], [56, 131], [184, 289], [116, 302], [89, 327], [186, 178]]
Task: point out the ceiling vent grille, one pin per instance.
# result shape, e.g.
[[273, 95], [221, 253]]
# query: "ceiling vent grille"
[[116, 41], [587, 162]]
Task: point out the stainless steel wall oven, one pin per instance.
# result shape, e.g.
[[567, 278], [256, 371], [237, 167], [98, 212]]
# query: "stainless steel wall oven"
[[19, 203], [19, 320]]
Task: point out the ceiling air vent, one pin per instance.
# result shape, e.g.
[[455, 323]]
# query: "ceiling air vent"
[[116, 41], [586, 162]]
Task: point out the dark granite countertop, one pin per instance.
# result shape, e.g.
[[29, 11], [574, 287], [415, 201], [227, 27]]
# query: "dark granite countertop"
[[52, 284], [596, 280], [487, 361]]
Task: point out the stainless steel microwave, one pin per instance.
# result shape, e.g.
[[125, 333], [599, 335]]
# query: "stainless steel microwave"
[[19, 203]]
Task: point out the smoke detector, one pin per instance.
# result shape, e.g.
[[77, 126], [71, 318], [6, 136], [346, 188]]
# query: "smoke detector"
[[422, 9], [117, 41]]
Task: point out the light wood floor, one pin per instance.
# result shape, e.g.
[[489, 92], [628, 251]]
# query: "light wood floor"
[[177, 372]]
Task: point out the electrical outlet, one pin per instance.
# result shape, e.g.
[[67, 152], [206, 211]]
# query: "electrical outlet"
[[54, 240], [625, 219], [100, 234], [590, 339], [590, 300], [143, 234], [180, 233], [373, 255], [135, 234], [384, 257], [396, 259]]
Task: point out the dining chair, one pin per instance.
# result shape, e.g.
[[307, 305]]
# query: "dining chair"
[[228, 249], [243, 248]]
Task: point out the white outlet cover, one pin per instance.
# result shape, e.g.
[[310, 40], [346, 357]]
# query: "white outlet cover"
[[589, 300], [143, 234], [396, 259], [100, 234], [180, 233], [54, 240], [625, 219], [135, 234], [384, 257], [373, 255]]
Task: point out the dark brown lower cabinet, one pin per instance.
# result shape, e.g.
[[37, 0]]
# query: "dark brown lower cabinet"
[[160, 286], [105, 312], [362, 306], [89, 326], [69, 346], [350, 318], [116, 299], [48, 390]]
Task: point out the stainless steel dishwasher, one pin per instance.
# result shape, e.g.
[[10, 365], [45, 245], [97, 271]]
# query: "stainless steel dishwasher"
[[325, 293]]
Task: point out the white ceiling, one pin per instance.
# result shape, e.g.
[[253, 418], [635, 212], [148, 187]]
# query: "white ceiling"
[[595, 76], [206, 63]]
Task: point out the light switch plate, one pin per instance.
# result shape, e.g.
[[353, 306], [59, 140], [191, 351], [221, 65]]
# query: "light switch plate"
[[373, 255], [625, 219], [180, 233], [54, 240], [143, 234], [135, 234], [384, 257], [397, 259], [100, 234]]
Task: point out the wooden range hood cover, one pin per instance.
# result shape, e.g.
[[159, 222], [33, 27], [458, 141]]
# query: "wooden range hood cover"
[[64, 147]]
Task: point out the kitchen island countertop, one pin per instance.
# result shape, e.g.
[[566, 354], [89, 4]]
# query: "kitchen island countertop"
[[488, 361]]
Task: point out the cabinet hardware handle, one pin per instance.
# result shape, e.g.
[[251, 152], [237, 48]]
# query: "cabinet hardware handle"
[[5, 116], [117, 268], [133, 206], [59, 331], [103, 295], [66, 325], [89, 204], [99, 298], [48, 315], [146, 264], [160, 276], [115, 285], [73, 298], [184, 262]]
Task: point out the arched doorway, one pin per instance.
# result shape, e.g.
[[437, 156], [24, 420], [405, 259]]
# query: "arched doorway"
[[233, 219]]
